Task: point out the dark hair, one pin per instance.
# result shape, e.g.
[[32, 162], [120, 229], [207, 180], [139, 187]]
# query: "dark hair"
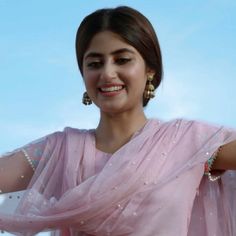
[[131, 26]]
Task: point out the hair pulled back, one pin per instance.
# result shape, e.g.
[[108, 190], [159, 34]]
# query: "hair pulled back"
[[133, 27]]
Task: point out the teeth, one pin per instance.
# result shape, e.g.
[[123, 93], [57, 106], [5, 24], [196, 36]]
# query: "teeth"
[[111, 89]]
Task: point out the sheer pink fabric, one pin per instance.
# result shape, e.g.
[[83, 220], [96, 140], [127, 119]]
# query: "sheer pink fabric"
[[153, 185]]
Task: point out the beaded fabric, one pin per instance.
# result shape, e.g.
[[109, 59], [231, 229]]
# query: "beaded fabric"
[[29, 159], [216, 174], [153, 185]]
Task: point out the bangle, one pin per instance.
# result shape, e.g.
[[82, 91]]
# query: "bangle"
[[28, 159]]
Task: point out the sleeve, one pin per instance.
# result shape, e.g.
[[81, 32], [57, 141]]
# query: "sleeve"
[[47, 156], [213, 175], [208, 138], [221, 136], [201, 143], [214, 206], [32, 151]]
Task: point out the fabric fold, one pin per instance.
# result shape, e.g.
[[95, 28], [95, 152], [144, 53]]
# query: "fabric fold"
[[157, 175]]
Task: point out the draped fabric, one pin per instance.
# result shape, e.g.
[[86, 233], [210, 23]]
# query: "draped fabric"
[[153, 185]]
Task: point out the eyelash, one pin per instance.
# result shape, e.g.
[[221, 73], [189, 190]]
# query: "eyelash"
[[98, 64], [94, 64], [123, 60]]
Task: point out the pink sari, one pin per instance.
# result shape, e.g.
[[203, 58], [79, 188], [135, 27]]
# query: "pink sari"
[[153, 185]]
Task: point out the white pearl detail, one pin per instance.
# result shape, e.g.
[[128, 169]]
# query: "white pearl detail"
[[28, 159], [119, 206], [81, 222]]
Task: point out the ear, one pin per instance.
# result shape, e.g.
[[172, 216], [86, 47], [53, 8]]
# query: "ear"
[[150, 72]]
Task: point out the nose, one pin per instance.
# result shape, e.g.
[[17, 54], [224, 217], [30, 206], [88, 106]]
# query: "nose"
[[108, 71]]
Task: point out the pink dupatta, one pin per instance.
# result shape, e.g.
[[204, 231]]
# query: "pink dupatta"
[[153, 185]]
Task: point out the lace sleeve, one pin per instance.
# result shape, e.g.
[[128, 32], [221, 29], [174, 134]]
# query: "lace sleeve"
[[33, 152]]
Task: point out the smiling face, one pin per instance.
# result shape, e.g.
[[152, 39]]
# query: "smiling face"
[[114, 73]]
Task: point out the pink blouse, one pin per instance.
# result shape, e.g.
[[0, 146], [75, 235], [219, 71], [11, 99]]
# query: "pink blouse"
[[101, 159]]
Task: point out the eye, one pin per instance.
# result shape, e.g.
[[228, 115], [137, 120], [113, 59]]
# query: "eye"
[[122, 60], [94, 64]]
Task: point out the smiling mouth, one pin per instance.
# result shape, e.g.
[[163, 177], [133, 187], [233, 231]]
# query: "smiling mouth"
[[111, 89]]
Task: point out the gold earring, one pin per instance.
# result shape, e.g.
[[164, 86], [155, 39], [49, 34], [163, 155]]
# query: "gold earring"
[[86, 99], [149, 89]]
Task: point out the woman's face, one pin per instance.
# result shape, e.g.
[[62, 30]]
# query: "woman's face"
[[114, 73]]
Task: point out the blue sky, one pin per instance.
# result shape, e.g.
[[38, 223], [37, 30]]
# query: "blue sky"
[[41, 87]]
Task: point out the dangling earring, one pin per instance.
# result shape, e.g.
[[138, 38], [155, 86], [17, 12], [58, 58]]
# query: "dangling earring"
[[149, 89], [86, 99]]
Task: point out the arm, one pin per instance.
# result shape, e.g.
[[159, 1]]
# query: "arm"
[[15, 172], [17, 167], [226, 159]]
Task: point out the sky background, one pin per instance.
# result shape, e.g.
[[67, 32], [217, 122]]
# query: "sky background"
[[41, 88]]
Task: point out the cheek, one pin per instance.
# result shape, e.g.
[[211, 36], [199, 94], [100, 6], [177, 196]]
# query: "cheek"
[[137, 68], [90, 79], [137, 75]]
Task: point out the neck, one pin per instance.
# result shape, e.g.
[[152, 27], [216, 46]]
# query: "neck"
[[114, 130]]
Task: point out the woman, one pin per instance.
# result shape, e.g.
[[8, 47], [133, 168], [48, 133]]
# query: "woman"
[[129, 176]]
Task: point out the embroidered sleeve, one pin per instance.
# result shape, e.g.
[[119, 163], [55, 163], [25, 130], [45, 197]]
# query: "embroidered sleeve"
[[32, 152], [213, 175]]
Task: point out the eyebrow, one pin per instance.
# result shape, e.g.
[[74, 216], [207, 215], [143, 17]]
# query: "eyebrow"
[[96, 54]]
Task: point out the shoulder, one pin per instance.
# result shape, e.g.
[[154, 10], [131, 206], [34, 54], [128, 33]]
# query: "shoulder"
[[182, 127], [75, 133], [60, 135], [200, 131], [71, 130], [183, 123]]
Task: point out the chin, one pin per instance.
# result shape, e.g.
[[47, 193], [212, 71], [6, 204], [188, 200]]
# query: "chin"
[[112, 108]]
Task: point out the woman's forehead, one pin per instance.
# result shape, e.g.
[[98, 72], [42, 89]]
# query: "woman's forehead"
[[107, 42]]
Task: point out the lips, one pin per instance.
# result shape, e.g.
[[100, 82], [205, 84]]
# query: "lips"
[[111, 88]]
